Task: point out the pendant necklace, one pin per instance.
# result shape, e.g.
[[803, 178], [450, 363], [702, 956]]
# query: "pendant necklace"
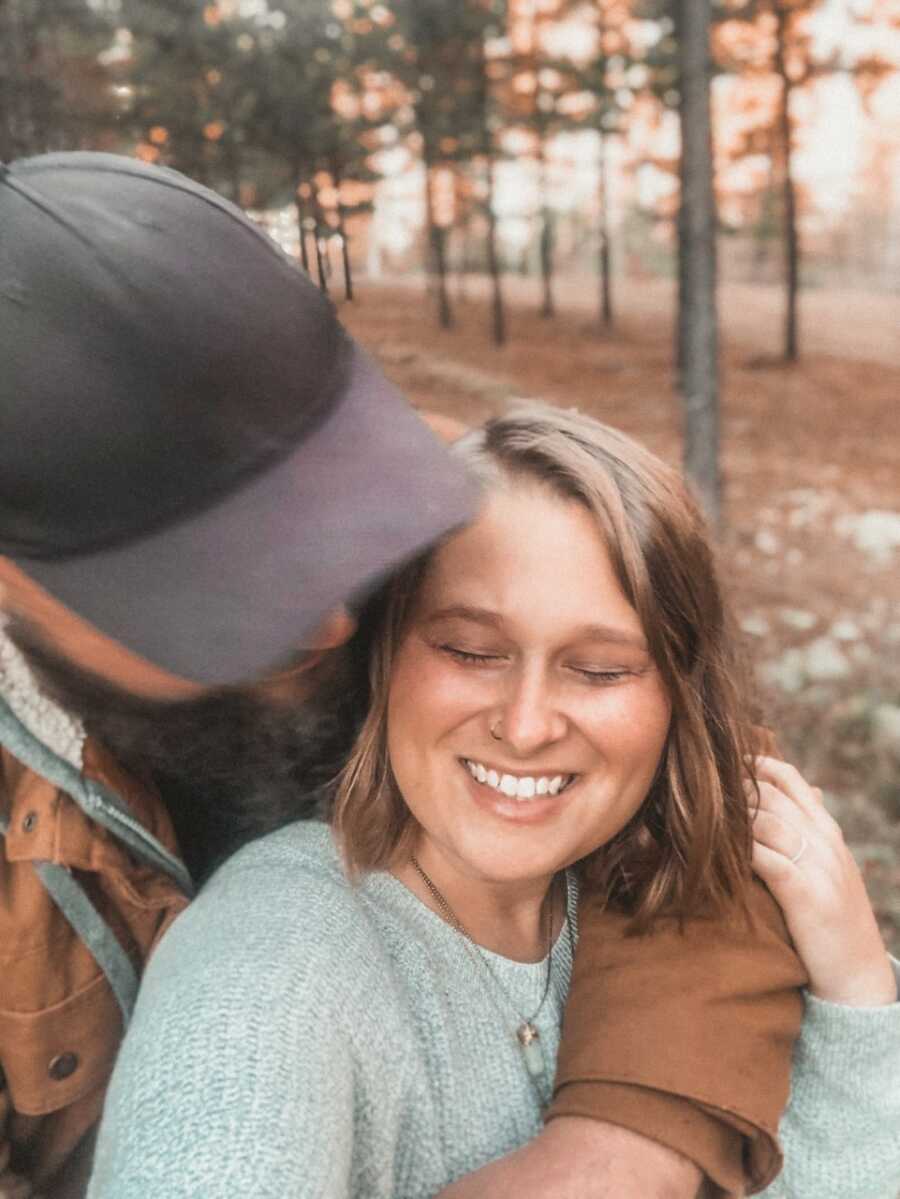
[[527, 1034]]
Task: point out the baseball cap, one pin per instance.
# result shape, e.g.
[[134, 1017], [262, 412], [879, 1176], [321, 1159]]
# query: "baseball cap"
[[195, 456]]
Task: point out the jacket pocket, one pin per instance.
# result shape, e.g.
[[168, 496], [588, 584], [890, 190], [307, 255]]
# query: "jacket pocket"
[[54, 1056]]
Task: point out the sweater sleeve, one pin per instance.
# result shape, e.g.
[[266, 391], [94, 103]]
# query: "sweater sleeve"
[[237, 1076], [841, 1129]]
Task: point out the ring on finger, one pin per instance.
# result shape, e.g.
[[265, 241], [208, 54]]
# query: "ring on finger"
[[801, 851]]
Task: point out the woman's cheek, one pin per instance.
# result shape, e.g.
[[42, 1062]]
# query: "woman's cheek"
[[630, 723], [437, 689]]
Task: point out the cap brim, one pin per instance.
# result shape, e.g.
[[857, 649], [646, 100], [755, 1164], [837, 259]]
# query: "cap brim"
[[224, 595]]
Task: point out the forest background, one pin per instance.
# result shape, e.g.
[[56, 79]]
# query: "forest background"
[[680, 215]]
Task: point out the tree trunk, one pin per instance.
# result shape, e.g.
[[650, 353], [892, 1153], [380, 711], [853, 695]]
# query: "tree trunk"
[[320, 242], [8, 79], [301, 230], [16, 136], [789, 194], [603, 246], [321, 265], [437, 252], [342, 230], [498, 314], [462, 260], [548, 307], [681, 267], [345, 254], [697, 249], [792, 265]]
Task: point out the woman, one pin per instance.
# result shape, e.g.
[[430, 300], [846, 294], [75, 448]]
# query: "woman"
[[553, 710]]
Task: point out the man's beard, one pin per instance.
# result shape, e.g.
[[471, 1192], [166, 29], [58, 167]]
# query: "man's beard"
[[230, 765]]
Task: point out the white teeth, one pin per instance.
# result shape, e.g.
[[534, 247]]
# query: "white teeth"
[[522, 788]]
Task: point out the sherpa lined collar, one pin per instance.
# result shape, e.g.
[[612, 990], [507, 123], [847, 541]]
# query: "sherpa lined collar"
[[42, 716]]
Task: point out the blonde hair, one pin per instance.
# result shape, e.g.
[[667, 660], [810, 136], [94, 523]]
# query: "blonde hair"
[[687, 849]]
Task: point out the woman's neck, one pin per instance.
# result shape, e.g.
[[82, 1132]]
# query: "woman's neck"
[[518, 919]]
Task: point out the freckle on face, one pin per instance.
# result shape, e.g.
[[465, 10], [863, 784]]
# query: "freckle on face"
[[537, 573]]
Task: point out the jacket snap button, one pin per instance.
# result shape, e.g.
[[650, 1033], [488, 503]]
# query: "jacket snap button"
[[63, 1066], [29, 824]]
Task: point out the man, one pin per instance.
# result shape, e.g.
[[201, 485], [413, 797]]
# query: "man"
[[197, 469]]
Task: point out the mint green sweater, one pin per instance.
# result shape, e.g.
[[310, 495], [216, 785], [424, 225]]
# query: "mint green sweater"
[[299, 1038]]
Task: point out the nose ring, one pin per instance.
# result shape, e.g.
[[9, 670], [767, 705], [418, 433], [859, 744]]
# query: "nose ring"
[[493, 731]]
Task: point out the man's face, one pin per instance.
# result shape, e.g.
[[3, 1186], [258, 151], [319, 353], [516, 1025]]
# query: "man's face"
[[88, 649], [231, 763]]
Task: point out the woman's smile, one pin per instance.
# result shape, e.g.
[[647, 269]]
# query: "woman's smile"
[[520, 799], [516, 785]]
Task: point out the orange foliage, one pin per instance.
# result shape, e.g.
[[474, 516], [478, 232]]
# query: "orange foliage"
[[146, 152]]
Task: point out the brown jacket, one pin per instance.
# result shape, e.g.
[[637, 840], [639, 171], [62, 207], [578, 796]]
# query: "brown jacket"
[[685, 1035], [60, 1024]]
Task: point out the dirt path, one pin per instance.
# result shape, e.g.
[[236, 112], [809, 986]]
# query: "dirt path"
[[856, 325]]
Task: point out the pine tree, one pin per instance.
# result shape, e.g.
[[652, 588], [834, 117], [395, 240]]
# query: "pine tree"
[[697, 239], [442, 61], [485, 75], [297, 117], [784, 46], [604, 115], [192, 75], [433, 39], [54, 92]]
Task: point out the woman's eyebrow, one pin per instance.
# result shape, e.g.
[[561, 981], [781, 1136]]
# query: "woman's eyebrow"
[[616, 636], [466, 612], [589, 632]]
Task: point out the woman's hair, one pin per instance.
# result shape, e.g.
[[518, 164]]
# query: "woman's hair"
[[687, 849]]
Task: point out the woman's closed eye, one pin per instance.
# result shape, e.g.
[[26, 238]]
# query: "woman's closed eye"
[[596, 676], [471, 656], [604, 676]]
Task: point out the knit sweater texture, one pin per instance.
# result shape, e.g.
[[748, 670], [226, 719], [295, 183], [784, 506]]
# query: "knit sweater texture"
[[300, 1037]]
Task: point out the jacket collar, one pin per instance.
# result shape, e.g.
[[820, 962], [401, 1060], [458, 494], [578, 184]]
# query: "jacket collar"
[[52, 744], [51, 724]]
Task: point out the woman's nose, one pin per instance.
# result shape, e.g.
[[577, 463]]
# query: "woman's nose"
[[530, 717]]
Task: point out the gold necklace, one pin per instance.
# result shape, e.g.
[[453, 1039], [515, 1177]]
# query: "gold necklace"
[[527, 1034]]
